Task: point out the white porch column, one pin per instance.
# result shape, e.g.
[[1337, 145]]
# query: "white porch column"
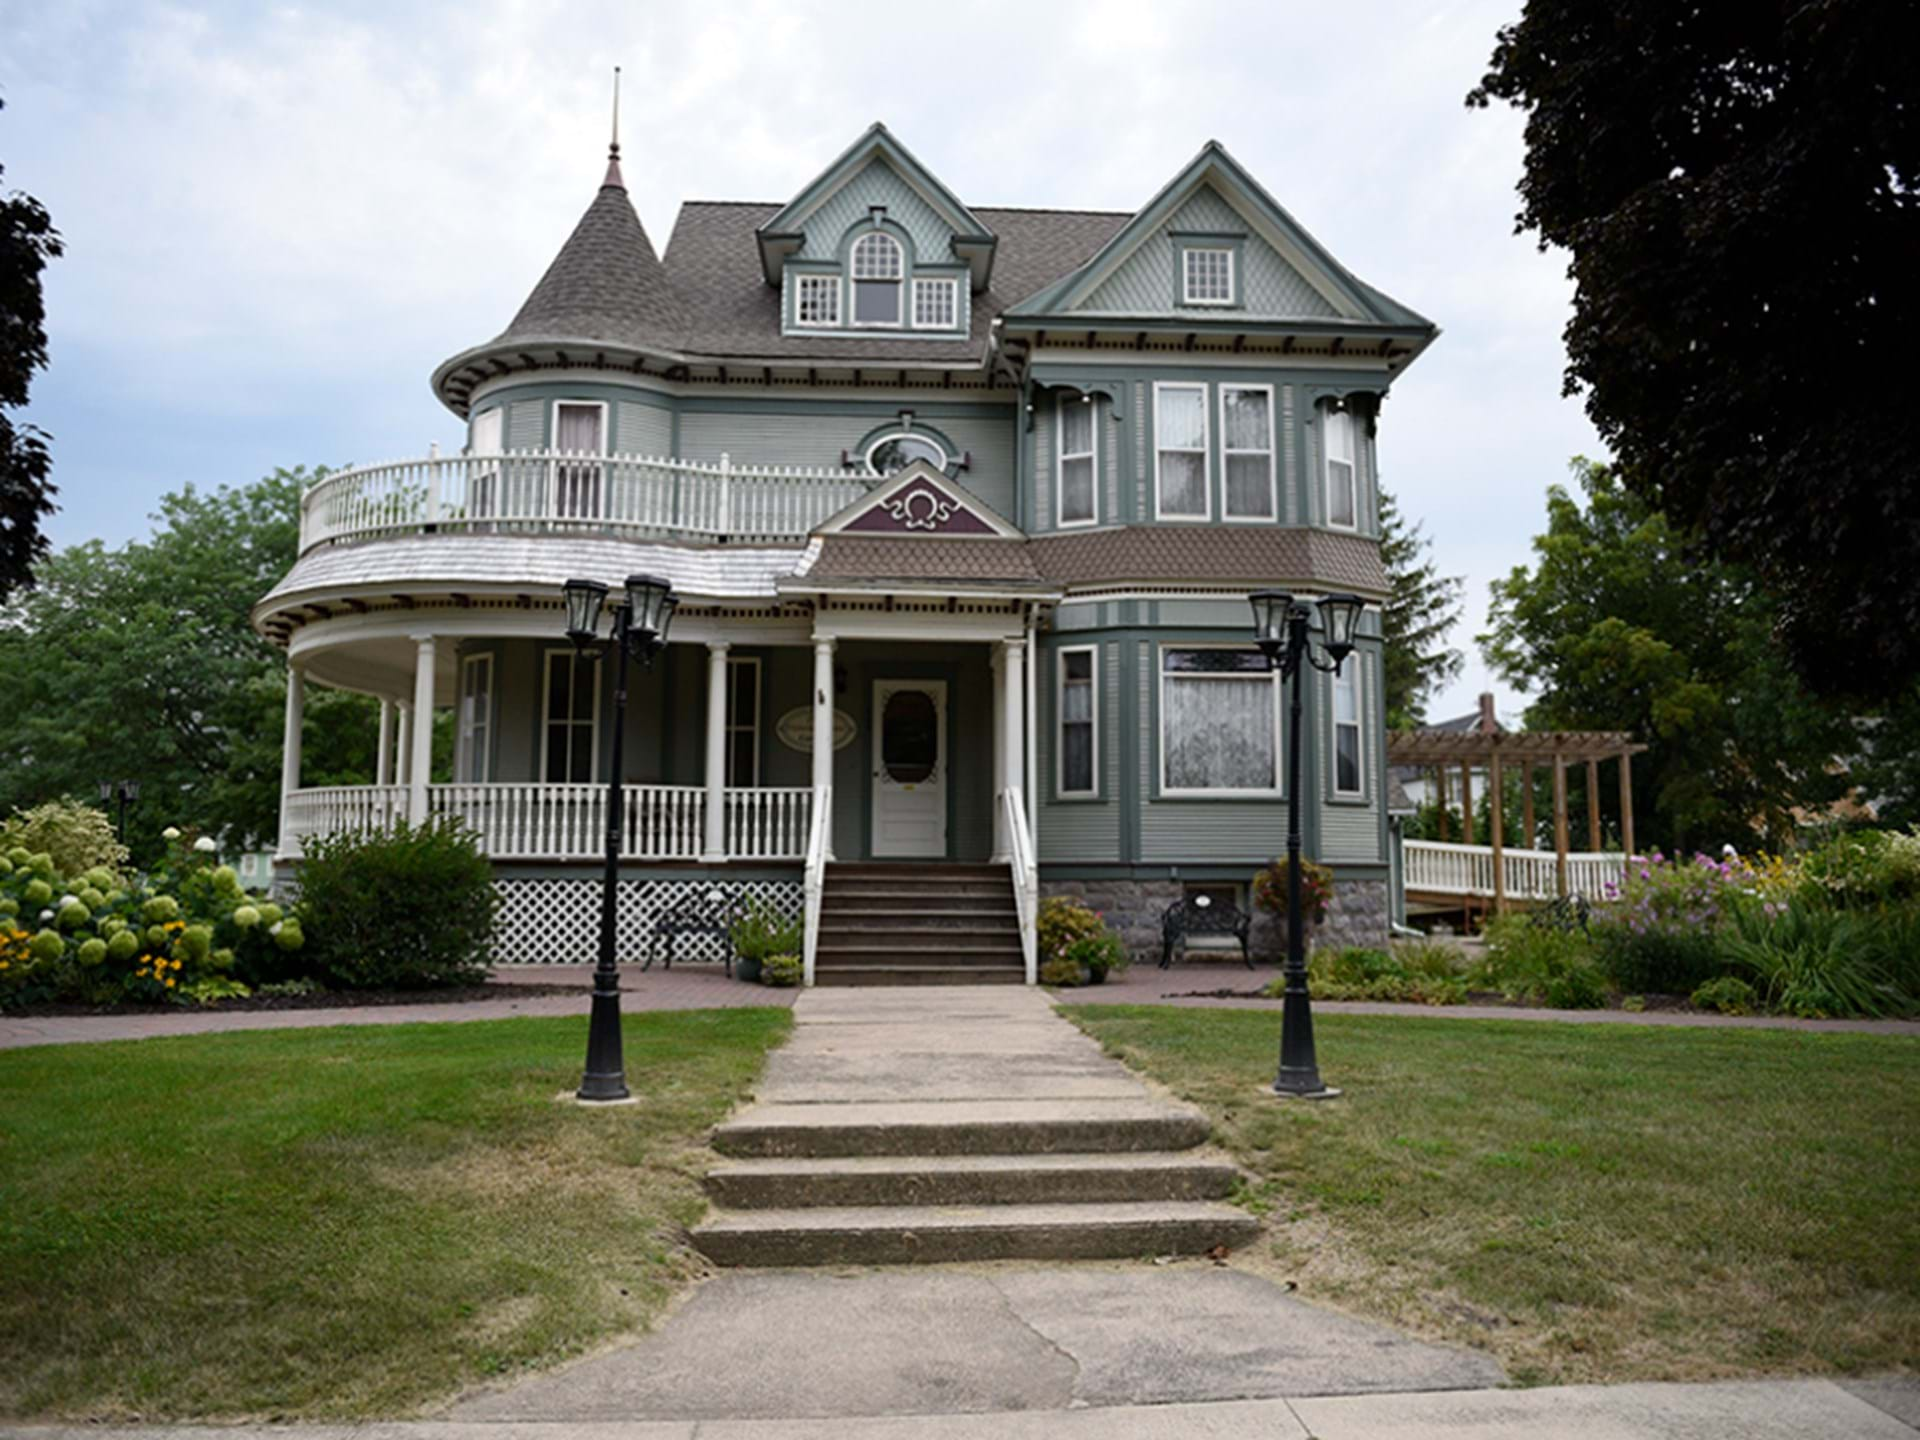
[[402, 764], [999, 752], [1013, 722], [716, 840], [383, 756], [290, 741], [823, 728], [421, 765]]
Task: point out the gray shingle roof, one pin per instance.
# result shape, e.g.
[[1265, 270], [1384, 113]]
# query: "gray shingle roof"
[[713, 265], [1217, 554], [605, 284]]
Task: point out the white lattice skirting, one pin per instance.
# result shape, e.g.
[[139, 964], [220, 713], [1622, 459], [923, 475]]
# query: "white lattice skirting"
[[557, 922]]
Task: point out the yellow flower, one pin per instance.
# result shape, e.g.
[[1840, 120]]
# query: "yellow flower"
[[169, 984]]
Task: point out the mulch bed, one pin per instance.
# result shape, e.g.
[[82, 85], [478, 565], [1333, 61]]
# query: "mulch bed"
[[491, 992]]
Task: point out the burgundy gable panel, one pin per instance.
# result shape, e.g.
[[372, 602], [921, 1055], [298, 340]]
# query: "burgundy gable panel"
[[921, 508]]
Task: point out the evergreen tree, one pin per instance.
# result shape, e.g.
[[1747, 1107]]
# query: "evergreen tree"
[[1421, 609], [27, 241]]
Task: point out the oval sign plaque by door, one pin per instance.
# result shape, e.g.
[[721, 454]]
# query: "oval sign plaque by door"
[[795, 729]]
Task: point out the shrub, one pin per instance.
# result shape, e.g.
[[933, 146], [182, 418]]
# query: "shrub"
[[1062, 923], [1863, 867], [1060, 971], [1541, 963], [783, 971], [1728, 994], [762, 932], [1359, 973], [75, 838], [1666, 931], [1316, 889], [1098, 954], [410, 906], [1814, 962]]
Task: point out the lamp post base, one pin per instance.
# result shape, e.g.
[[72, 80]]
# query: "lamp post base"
[[1319, 1091]]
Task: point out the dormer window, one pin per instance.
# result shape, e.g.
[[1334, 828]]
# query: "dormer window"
[[878, 271]]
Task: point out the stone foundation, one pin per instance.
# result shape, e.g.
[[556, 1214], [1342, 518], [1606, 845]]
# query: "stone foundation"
[[1357, 916]]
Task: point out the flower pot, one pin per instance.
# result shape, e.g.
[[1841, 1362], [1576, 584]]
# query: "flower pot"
[[1096, 975], [747, 969]]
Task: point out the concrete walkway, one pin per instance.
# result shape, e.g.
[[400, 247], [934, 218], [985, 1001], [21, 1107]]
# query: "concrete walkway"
[[1749, 1410]]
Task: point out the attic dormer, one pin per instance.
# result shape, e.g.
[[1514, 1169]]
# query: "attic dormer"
[[876, 245]]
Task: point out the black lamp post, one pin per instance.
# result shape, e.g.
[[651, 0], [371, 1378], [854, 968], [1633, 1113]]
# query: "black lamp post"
[[127, 792], [1280, 629], [640, 624]]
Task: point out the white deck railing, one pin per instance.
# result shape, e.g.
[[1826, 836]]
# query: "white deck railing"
[[541, 491], [567, 822], [1438, 868]]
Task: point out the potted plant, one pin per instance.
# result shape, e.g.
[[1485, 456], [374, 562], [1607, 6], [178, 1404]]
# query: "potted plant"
[[1316, 890], [758, 933]]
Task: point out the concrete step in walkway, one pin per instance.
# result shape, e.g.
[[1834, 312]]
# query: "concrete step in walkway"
[[950, 1124]]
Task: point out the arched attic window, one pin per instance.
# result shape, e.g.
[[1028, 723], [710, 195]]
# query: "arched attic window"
[[878, 272]]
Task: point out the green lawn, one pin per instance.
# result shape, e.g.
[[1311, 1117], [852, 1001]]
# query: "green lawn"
[[1589, 1202], [342, 1222]]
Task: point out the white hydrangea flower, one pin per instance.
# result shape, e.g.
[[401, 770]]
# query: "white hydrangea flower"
[[205, 844], [170, 833]]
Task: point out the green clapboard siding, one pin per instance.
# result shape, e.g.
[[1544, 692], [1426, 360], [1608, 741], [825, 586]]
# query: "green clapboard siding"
[[1080, 830], [1350, 831]]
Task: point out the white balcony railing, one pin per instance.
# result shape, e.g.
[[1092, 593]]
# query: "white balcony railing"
[[567, 822], [1437, 868], [545, 491]]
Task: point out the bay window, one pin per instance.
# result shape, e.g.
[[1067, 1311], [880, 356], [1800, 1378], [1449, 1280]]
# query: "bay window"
[[1219, 722], [1346, 728], [1077, 460], [1079, 734], [1180, 452], [1342, 471], [1246, 451]]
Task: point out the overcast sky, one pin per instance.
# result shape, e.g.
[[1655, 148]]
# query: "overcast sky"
[[279, 218]]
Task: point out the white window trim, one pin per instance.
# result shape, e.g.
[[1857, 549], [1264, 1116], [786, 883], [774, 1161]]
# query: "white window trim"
[[752, 727], [899, 283], [829, 281], [1187, 296], [1226, 451], [606, 428], [1205, 452], [1060, 789], [1327, 417], [1354, 667], [866, 455], [1279, 755], [948, 283], [547, 722], [1061, 457], [465, 768]]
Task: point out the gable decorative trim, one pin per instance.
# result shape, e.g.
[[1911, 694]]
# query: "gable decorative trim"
[[921, 501]]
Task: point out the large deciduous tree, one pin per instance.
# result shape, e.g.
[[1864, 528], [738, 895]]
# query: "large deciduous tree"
[[27, 241], [1422, 606], [139, 663], [1734, 181], [1614, 628]]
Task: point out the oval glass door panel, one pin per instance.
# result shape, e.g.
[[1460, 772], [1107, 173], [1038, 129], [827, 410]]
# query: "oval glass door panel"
[[909, 737]]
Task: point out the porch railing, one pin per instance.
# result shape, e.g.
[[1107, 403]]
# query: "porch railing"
[[541, 491], [567, 822], [1026, 877], [1437, 868], [819, 851]]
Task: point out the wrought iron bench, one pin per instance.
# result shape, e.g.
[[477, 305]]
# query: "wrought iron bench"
[[1202, 915], [711, 914]]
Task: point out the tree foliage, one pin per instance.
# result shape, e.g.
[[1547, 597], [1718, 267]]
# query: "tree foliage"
[[1422, 607], [1616, 629], [27, 242], [1735, 184], [139, 663]]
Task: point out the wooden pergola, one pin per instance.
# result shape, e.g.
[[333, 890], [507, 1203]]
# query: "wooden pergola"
[[1441, 751]]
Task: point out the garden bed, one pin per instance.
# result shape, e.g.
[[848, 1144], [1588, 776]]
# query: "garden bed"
[[489, 993]]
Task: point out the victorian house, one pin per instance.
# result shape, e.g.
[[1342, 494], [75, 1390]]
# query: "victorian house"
[[962, 505]]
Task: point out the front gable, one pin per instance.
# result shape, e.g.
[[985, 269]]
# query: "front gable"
[[920, 501]]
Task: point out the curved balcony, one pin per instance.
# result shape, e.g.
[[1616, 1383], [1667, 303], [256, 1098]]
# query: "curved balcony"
[[531, 492]]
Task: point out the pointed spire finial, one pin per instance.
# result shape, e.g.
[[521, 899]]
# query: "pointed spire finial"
[[613, 149]]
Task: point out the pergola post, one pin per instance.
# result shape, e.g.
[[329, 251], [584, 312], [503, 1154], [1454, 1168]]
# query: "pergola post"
[[1560, 824], [1495, 797], [1593, 805], [1466, 803], [1440, 789], [1626, 801]]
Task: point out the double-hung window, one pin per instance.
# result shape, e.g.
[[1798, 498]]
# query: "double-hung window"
[[877, 274], [579, 430], [1180, 452], [1342, 471], [1077, 460], [483, 481], [1079, 724], [936, 304], [1246, 451], [1219, 722], [1346, 728], [816, 301], [1206, 275], [571, 714], [743, 720], [473, 763]]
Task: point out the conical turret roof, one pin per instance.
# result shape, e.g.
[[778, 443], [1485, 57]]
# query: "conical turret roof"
[[605, 284]]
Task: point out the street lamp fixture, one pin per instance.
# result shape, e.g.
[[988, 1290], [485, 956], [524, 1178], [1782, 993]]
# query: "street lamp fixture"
[[127, 793], [641, 620], [1280, 629]]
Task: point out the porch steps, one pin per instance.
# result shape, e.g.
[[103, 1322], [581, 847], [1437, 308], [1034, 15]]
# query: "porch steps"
[[919, 923]]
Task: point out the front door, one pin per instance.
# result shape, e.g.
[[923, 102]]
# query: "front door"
[[909, 768]]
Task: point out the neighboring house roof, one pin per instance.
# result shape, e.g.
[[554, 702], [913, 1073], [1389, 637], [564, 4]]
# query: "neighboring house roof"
[[1398, 801], [1213, 554]]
